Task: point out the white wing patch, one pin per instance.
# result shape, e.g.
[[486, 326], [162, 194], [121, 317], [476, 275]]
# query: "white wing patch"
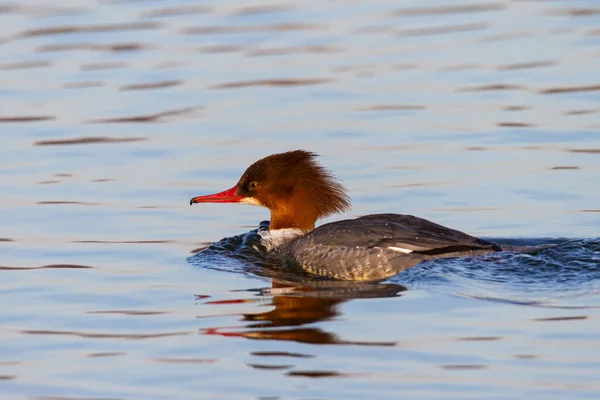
[[400, 249]]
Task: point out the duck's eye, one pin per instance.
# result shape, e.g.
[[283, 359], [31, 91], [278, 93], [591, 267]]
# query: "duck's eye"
[[252, 185]]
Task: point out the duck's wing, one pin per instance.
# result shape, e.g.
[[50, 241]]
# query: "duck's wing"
[[397, 232]]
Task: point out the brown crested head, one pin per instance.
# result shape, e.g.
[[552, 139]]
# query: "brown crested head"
[[292, 185]]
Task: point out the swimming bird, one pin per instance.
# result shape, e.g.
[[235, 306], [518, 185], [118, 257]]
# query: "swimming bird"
[[298, 191]]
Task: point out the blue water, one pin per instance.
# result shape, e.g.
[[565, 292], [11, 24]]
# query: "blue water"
[[481, 116]]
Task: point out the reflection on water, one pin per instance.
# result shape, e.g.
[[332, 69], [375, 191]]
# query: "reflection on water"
[[296, 306], [479, 115]]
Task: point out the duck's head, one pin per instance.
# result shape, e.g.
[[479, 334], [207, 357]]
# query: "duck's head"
[[293, 186]]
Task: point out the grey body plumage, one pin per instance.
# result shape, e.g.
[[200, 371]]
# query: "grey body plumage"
[[378, 246]]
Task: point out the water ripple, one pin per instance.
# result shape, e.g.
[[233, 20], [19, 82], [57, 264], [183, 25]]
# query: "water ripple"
[[87, 140], [453, 9], [553, 277], [570, 89], [78, 29], [156, 117], [271, 82]]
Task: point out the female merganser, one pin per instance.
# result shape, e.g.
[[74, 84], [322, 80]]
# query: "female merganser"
[[298, 191]]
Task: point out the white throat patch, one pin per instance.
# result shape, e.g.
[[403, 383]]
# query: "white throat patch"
[[250, 200]]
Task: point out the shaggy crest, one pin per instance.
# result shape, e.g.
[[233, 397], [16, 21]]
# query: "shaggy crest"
[[294, 182]]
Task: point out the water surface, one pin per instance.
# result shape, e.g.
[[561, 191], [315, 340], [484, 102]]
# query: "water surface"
[[479, 115]]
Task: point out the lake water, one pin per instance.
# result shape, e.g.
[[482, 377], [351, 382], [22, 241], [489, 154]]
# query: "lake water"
[[480, 115]]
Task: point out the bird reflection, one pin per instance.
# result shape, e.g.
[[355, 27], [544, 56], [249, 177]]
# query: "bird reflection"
[[297, 305]]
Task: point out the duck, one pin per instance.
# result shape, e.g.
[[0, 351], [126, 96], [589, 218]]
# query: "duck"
[[298, 191]]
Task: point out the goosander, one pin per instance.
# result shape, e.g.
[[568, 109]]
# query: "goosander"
[[298, 191]]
